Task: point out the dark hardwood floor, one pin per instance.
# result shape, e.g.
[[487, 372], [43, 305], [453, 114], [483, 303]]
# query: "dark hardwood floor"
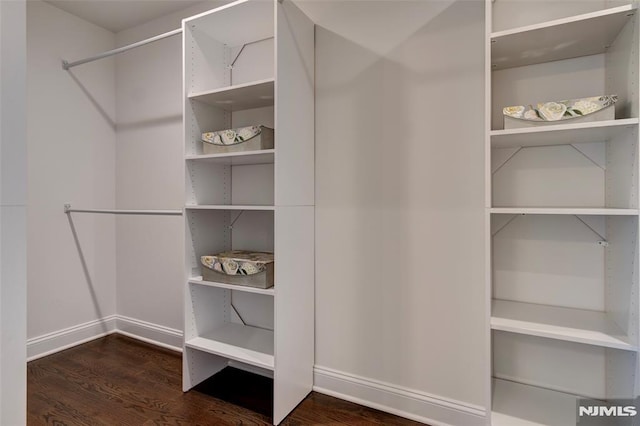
[[116, 380]]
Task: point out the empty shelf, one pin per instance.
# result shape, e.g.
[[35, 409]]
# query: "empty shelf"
[[578, 211], [242, 96], [562, 134], [581, 35], [228, 207], [573, 325], [515, 404], [247, 289], [242, 343], [265, 156]]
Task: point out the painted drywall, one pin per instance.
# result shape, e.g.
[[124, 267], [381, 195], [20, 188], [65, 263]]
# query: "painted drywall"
[[399, 181], [399, 195], [149, 161], [71, 152], [13, 172]]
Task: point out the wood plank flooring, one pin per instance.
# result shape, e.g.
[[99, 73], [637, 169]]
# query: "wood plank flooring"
[[116, 380]]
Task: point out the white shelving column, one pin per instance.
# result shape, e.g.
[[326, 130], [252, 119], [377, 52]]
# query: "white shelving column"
[[251, 63], [562, 211]]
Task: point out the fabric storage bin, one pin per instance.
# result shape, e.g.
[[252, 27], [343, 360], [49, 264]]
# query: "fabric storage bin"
[[240, 267], [252, 138], [582, 110]]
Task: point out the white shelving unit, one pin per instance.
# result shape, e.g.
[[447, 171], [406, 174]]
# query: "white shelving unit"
[[562, 211], [251, 63]]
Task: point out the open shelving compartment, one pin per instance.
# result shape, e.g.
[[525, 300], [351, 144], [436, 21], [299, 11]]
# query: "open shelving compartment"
[[250, 63], [562, 211]]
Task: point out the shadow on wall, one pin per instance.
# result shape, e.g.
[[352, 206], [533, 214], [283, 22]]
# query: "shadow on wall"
[[400, 182], [92, 99], [87, 274]]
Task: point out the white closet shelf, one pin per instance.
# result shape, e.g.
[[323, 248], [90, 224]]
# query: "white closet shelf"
[[580, 35], [242, 343], [228, 207], [578, 211], [572, 325], [515, 404], [256, 94], [264, 156], [562, 134], [246, 289]]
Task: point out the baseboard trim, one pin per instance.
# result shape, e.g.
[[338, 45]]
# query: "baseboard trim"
[[404, 402], [50, 343], [165, 337]]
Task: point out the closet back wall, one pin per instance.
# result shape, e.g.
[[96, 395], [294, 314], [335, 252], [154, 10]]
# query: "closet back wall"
[[71, 150], [399, 205], [150, 156]]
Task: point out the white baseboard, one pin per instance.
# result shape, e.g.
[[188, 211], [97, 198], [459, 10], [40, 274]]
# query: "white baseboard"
[[50, 343], [404, 402], [60, 340], [158, 335]]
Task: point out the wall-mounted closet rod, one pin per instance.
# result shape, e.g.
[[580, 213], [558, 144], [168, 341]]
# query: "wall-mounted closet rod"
[[66, 65], [68, 209]]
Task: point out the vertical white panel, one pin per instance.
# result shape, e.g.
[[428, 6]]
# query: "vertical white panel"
[[207, 183], [620, 373], [207, 232], [206, 60], [294, 112], [621, 176], [294, 308], [621, 70], [621, 280], [13, 283], [13, 251], [198, 366]]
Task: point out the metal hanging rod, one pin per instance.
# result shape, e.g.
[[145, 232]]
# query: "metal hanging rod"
[[66, 65], [68, 209]]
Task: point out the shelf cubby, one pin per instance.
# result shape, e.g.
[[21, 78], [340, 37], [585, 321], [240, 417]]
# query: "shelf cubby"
[[587, 175], [550, 376]]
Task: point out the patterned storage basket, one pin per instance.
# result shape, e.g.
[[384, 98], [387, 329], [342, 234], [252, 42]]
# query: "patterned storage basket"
[[250, 138], [254, 269], [576, 110]]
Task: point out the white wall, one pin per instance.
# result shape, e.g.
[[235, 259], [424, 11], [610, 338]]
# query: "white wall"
[[400, 204], [13, 148], [71, 149], [150, 155], [399, 200]]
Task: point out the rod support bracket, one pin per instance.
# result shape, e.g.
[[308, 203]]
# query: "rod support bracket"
[[65, 65], [67, 208], [603, 243]]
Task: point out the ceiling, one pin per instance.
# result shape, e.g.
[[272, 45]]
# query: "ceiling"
[[118, 15]]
